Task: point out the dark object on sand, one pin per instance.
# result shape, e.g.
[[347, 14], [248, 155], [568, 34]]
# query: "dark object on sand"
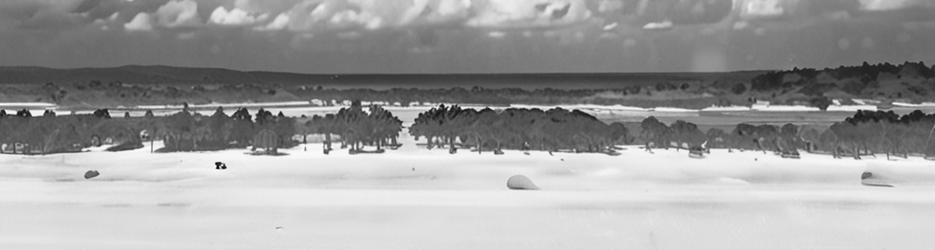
[[867, 179], [520, 182], [696, 152], [790, 154], [361, 151], [220, 165], [91, 174]]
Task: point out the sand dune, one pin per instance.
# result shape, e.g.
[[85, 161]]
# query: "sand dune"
[[416, 198]]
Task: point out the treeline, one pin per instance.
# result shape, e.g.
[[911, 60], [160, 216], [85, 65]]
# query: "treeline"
[[474, 95], [117, 93], [879, 132], [97, 93], [864, 133], [185, 131], [24, 134], [857, 78], [787, 139], [452, 127], [525, 129], [357, 128]]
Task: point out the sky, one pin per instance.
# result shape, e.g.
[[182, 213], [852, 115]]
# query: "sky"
[[466, 36]]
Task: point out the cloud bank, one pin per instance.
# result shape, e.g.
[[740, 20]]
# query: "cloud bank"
[[466, 35]]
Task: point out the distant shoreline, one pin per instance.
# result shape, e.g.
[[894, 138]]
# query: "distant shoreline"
[[584, 107]]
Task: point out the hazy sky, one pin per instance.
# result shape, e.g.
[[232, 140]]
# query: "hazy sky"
[[445, 36]]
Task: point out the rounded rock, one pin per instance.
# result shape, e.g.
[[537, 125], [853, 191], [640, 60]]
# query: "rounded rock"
[[91, 174], [520, 182]]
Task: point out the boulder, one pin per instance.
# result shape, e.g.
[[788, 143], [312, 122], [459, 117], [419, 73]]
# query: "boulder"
[[869, 179], [91, 174], [520, 182]]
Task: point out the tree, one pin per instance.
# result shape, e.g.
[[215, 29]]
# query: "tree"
[[717, 138], [102, 113], [822, 102], [654, 133], [619, 133], [242, 127], [738, 88], [811, 139], [686, 134], [24, 113]]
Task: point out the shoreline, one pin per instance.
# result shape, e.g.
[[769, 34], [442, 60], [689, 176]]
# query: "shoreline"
[[311, 105]]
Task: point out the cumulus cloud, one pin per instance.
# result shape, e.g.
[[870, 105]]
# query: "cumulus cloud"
[[172, 14], [178, 13], [885, 5], [306, 15], [528, 14], [425, 12], [235, 17], [761, 8], [278, 23], [348, 17], [658, 25], [636, 13], [141, 22]]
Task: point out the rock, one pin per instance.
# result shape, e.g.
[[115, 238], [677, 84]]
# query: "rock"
[[220, 165], [520, 182], [868, 179], [91, 174]]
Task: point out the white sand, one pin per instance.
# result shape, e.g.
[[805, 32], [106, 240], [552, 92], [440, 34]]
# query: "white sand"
[[914, 105], [588, 201]]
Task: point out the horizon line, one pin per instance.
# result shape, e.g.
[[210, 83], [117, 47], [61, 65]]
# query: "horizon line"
[[390, 73]]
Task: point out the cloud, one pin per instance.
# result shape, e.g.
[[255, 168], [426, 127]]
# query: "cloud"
[[178, 13], [39, 14], [609, 5], [307, 15], [235, 17], [658, 25], [635, 13], [141, 22], [348, 18], [528, 14], [425, 12], [887, 5], [278, 23], [761, 8]]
